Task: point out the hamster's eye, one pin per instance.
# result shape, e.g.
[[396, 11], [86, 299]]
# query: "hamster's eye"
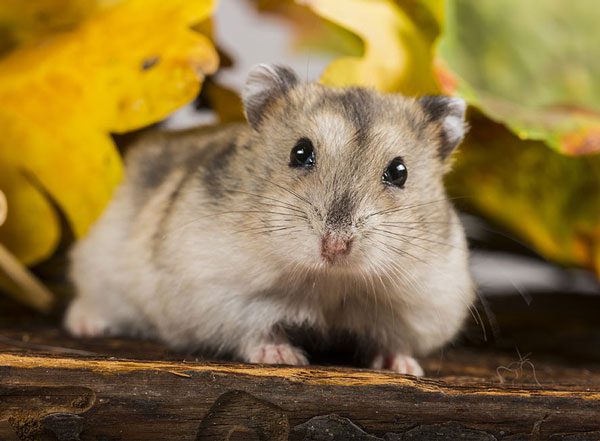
[[396, 173], [303, 154]]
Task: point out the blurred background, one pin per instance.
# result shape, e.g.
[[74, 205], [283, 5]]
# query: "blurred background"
[[79, 79]]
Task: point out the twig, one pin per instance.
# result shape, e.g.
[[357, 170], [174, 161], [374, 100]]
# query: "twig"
[[18, 280], [3, 208], [180, 374]]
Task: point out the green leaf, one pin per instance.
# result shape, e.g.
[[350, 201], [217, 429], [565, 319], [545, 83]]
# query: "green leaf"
[[532, 65]]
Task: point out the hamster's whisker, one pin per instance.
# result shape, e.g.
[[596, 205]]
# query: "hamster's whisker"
[[369, 287], [407, 207], [398, 270], [261, 228], [478, 320], [274, 218], [402, 207], [259, 203], [274, 230], [420, 223], [426, 239], [401, 252], [293, 193], [411, 229], [280, 207], [290, 229], [384, 233], [201, 218], [255, 211], [408, 236], [489, 314], [260, 196], [386, 293], [409, 226], [266, 224]]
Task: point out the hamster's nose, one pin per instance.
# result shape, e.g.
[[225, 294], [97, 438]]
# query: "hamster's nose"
[[332, 247]]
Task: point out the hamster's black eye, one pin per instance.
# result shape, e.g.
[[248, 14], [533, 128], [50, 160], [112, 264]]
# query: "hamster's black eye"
[[396, 173], [303, 154]]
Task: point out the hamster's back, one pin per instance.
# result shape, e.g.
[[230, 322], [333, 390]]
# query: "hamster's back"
[[152, 160], [115, 252]]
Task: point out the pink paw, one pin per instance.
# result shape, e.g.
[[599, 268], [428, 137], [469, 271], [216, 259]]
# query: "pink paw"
[[402, 364], [83, 321], [278, 354]]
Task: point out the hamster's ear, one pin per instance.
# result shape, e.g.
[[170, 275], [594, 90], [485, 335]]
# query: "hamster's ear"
[[265, 83], [449, 112]]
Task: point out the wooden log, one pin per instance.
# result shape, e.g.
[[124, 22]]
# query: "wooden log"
[[55, 387], [68, 398]]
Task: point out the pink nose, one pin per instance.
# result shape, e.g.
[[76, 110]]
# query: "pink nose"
[[332, 247]]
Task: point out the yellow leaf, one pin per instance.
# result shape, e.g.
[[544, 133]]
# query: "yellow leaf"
[[126, 65], [23, 22], [397, 55]]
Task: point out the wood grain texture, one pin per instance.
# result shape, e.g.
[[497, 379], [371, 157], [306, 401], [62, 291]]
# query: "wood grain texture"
[[54, 387], [138, 400]]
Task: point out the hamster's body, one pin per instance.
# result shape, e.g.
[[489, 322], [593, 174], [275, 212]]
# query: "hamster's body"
[[218, 240]]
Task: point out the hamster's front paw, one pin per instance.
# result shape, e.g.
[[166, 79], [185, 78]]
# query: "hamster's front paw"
[[83, 320], [283, 353], [400, 363]]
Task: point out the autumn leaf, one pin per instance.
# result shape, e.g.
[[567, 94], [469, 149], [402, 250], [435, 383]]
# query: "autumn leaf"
[[530, 65], [225, 102], [547, 198], [397, 36], [125, 65], [531, 68], [312, 33], [24, 22]]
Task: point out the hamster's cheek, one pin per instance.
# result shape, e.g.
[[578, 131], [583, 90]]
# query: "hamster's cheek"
[[297, 247]]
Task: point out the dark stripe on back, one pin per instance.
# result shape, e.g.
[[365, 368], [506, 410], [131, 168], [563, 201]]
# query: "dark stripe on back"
[[216, 169], [193, 163], [358, 109], [157, 237], [155, 168]]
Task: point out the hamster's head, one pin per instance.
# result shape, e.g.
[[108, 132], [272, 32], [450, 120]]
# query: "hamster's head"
[[349, 179]]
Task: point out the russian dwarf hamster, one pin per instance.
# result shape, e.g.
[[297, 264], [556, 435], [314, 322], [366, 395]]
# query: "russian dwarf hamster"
[[325, 211]]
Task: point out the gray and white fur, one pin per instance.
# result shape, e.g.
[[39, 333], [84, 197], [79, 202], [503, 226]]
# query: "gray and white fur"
[[213, 241]]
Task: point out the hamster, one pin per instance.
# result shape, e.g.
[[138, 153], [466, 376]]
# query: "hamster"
[[326, 211]]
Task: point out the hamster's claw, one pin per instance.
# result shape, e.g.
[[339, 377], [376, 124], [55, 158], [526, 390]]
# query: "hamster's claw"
[[278, 354], [400, 363]]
